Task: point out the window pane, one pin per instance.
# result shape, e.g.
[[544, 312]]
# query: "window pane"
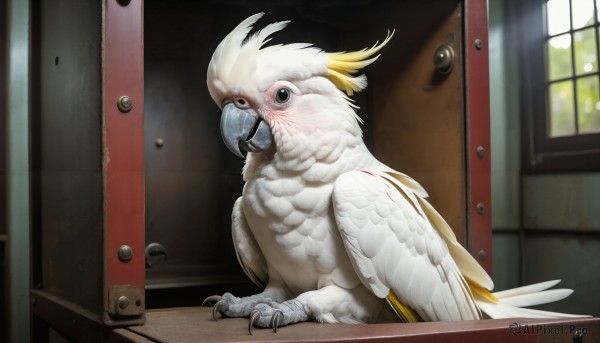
[[562, 109], [558, 16], [583, 13], [559, 57], [586, 60], [588, 104]]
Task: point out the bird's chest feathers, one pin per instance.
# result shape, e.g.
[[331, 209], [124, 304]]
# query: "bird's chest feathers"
[[292, 223], [287, 201], [289, 212]]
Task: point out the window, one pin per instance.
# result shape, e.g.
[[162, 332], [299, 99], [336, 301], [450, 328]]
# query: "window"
[[559, 53], [572, 68]]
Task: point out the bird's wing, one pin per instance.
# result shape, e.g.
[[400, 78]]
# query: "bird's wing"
[[246, 248], [468, 266], [396, 251]]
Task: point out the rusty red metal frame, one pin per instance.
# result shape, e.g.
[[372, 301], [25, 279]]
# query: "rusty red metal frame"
[[478, 131], [123, 154]]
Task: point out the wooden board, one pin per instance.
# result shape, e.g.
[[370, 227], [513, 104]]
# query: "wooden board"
[[195, 324]]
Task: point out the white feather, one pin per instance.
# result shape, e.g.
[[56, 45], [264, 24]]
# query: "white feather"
[[413, 191], [543, 297], [537, 287], [499, 311], [395, 254], [511, 302], [248, 253]]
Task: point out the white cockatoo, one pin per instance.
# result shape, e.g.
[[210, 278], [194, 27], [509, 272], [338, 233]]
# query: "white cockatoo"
[[330, 233]]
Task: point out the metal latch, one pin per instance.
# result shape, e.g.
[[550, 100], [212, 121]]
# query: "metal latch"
[[155, 252]]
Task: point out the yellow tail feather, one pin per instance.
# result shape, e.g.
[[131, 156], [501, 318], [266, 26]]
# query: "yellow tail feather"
[[407, 314], [479, 292]]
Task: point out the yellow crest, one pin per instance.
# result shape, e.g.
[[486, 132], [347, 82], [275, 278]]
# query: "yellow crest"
[[343, 64]]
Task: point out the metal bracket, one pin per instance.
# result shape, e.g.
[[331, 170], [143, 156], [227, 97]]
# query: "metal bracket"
[[125, 301]]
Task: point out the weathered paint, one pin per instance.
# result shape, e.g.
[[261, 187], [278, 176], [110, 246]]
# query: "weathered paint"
[[123, 149], [562, 202], [506, 259], [478, 131], [18, 171], [66, 150], [573, 258], [505, 124]]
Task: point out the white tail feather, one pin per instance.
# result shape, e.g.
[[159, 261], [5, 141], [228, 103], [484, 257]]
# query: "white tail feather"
[[499, 311], [511, 302], [538, 298], [536, 287]]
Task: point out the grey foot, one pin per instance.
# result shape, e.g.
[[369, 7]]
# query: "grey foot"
[[272, 314], [231, 306]]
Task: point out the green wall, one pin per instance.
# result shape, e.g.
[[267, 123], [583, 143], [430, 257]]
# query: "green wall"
[[17, 202], [545, 226]]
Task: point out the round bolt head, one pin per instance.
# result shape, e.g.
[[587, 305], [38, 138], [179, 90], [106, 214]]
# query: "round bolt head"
[[482, 255], [125, 253], [480, 208], [124, 104], [478, 44], [159, 143], [123, 302], [480, 151]]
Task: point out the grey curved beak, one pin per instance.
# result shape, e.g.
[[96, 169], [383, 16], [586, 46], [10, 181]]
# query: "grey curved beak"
[[243, 129]]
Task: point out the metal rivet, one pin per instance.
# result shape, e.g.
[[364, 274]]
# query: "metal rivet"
[[479, 44], [480, 208], [123, 2], [123, 302], [482, 255], [159, 143], [480, 151], [125, 253], [124, 104]]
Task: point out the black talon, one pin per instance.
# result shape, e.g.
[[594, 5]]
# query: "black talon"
[[216, 309], [212, 299], [253, 318], [275, 321]]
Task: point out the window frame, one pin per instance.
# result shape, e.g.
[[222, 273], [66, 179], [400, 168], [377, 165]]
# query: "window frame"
[[541, 153]]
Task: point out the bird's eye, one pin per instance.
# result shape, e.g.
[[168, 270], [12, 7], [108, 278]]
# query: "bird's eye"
[[283, 95]]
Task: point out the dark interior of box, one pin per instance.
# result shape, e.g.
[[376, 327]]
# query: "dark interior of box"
[[413, 122]]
